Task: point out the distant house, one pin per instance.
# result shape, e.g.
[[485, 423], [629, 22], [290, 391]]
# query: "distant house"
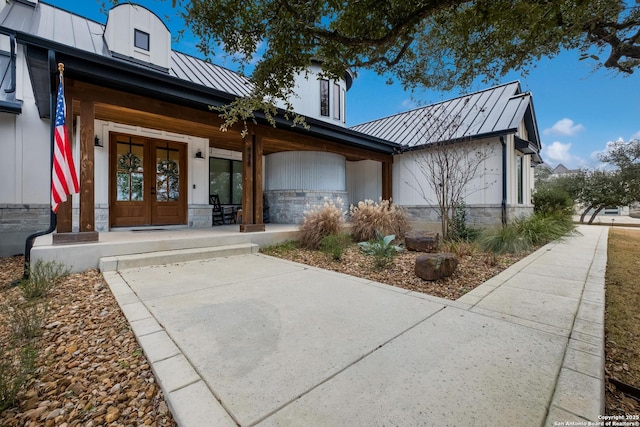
[[150, 153], [500, 120]]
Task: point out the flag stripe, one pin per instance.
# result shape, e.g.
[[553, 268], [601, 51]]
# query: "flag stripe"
[[64, 180]]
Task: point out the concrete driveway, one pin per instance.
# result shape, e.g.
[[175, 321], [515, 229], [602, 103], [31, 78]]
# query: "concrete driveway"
[[253, 340]]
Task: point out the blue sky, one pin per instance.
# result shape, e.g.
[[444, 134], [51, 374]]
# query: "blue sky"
[[579, 108]]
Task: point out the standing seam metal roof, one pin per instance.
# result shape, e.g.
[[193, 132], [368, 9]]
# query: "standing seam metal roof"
[[499, 109], [66, 28]]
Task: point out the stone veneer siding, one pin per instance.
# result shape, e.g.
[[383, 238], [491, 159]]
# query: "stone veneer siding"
[[477, 216], [24, 217], [289, 206]]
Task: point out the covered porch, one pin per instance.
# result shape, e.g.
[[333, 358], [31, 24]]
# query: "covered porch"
[[105, 117]]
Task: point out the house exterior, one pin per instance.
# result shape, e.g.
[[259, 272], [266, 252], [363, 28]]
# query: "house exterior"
[[497, 127], [149, 151]]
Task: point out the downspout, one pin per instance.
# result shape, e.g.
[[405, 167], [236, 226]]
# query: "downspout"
[[52, 216], [12, 41], [504, 180]]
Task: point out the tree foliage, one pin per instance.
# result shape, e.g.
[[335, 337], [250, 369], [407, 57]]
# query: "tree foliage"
[[598, 189], [428, 43]]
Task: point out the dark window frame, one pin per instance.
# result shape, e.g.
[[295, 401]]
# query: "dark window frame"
[[337, 105], [519, 178], [227, 199], [143, 43], [324, 98]]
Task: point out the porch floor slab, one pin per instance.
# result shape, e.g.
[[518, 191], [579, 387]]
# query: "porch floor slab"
[[143, 242]]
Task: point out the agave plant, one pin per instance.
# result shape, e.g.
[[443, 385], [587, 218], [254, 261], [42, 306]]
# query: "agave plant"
[[381, 248]]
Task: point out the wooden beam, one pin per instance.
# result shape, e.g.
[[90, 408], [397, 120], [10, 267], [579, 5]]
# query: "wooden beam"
[[87, 171], [387, 173], [257, 179], [247, 181]]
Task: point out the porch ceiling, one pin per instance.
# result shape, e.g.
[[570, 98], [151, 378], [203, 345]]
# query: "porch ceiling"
[[136, 110]]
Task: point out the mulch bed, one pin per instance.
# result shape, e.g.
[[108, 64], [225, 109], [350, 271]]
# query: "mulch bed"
[[473, 269]]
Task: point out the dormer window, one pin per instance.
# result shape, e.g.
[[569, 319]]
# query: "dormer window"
[[141, 39]]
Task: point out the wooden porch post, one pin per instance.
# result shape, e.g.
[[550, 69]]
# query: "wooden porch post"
[[387, 168], [87, 169], [247, 182], [252, 183]]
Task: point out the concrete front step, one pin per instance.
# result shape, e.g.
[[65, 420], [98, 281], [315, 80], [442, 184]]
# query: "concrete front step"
[[120, 262]]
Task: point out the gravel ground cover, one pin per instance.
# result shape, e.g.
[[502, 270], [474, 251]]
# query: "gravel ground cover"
[[473, 269], [90, 371]]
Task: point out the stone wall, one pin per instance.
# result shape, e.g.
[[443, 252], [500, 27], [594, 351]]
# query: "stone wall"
[[24, 217], [477, 215], [289, 206], [199, 216]]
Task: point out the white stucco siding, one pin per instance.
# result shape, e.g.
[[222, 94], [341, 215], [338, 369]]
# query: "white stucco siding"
[[412, 188], [119, 34], [307, 98], [364, 181]]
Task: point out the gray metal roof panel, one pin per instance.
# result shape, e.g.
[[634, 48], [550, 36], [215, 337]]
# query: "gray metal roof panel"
[[489, 111], [66, 28]]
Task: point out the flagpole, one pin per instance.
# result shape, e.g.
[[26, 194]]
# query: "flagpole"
[[52, 215]]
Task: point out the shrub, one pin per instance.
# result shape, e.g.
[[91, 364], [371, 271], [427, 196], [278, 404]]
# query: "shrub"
[[335, 244], [458, 229], [319, 223], [549, 200], [381, 248], [43, 277], [16, 364], [525, 233], [506, 239], [25, 319], [370, 217]]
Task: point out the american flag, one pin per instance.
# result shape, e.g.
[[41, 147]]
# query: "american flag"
[[63, 176]]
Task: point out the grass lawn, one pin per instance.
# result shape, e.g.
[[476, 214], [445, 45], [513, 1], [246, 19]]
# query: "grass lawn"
[[622, 323]]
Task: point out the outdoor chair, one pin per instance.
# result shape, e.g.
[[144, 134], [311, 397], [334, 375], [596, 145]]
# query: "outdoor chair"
[[220, 215]]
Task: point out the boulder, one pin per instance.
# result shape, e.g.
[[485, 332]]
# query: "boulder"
[[435, 266], [422, 241]]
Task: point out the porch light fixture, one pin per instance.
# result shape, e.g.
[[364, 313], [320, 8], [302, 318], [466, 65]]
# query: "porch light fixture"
[[96, 142], [199, 154]]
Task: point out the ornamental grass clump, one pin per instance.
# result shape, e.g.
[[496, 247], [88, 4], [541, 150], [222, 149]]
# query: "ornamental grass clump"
[[370, 217], [319, 223]]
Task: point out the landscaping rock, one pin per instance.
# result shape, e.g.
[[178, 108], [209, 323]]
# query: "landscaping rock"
[[422, 241], [435, 266]]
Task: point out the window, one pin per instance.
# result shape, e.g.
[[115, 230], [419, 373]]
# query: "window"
[[343, 106], [324, 98], [519, 179], [336, 101], [225, 180], [141, 39]]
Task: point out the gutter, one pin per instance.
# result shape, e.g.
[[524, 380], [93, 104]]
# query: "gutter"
[[52, 216], [504, 181]]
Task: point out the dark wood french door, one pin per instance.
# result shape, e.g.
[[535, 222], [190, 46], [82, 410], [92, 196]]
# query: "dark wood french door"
[[148, 181]]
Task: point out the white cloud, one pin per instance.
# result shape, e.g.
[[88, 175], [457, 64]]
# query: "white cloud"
[[635, 136], [565, 127], [409, 104], [559, 152]]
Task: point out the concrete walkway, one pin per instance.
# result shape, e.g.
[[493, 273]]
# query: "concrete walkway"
[[253, 340]]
